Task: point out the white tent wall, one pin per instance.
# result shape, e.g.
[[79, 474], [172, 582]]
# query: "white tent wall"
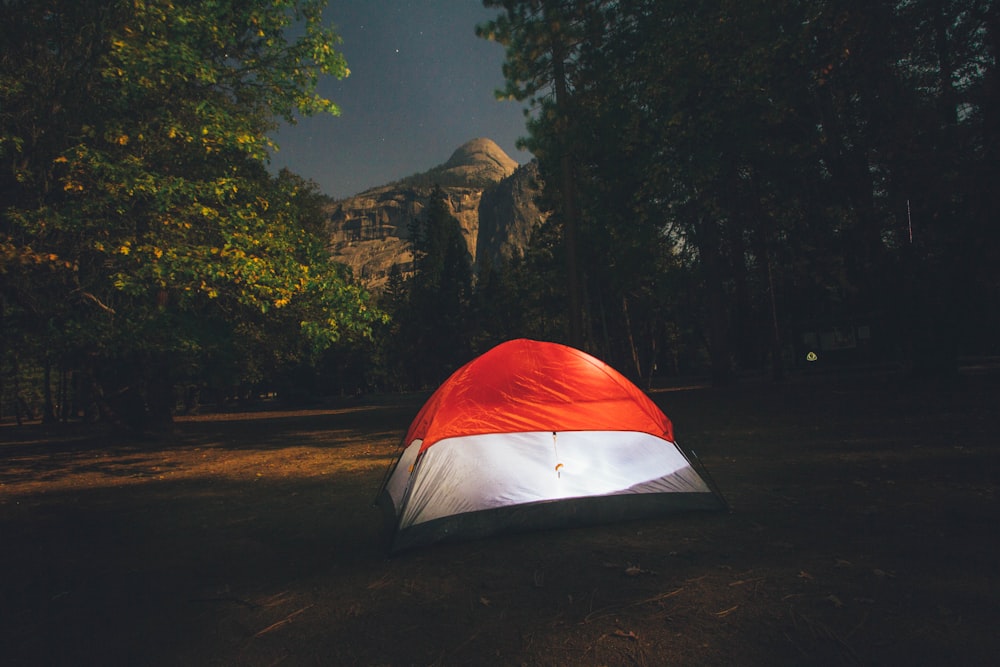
[[483, 484], [399, 479]]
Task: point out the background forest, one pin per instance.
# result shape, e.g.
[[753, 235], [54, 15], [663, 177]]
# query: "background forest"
[[732, 185]]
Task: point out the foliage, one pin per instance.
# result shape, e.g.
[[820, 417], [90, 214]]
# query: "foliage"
[[723, 177], [544, 42], [142, 238], [748, 171]]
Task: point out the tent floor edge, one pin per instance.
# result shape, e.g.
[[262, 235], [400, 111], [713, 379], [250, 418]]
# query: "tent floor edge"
[[552, 514], [699, 467]]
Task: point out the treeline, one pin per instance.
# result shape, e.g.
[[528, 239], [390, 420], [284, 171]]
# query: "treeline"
[[752, 178], [739, 187], [444, 177], [731, 186], [446, 311]]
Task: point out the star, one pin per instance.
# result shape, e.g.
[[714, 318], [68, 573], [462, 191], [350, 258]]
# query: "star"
[[421, 85]]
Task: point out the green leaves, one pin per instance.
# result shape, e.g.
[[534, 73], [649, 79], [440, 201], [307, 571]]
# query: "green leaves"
[[134, 136]]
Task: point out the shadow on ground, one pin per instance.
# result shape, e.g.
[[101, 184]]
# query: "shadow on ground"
[[862, 531]]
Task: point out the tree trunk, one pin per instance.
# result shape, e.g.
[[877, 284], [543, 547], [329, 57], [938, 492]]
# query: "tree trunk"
[[160, 395], [48, 413], [763, 236], [570, 211], [631, 338], [713, 274], [777, 365], [653, 356], [16, 372]]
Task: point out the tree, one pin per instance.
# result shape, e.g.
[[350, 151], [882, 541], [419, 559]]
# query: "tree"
[[140, 225], [542, 39], [770, 150], [435, 325]]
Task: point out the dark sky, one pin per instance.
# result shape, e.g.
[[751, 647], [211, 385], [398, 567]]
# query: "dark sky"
[[421, 85]]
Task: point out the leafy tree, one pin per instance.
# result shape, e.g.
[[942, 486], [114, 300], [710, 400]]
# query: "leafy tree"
[[140, 226]]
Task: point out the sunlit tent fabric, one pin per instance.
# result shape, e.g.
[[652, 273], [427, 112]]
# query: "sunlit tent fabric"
[[535, 435]]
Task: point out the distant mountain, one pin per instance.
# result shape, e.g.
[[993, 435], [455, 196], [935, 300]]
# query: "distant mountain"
[[484, 188], [476, 163]]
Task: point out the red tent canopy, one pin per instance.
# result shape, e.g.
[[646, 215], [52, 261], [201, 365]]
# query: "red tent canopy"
[[525, 386]]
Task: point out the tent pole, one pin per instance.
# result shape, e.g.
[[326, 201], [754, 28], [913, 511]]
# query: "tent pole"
[[703, 471]]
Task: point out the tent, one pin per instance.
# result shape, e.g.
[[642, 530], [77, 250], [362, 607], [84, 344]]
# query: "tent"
[[535, 435]]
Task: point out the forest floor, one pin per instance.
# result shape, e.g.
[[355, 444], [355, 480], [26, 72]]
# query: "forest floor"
[[864, 529]]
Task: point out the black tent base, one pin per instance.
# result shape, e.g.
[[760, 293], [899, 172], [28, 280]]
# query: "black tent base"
[[545, 515]]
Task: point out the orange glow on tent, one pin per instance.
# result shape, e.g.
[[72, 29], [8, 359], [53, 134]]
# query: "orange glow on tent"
[[528, 386]]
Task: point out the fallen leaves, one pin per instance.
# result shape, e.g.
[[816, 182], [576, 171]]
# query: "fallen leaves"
[[285, 621], [725, 612], [635, 571], [629, 570], [741, 582], [614, 609]]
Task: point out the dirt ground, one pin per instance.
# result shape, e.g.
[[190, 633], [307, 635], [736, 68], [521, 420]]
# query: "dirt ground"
[[863, 530]]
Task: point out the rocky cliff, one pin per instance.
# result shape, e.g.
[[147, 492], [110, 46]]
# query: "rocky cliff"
[[482, 185], [509, 213]]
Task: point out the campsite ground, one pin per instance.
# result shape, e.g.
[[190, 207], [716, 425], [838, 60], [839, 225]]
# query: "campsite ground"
[[863, 530]]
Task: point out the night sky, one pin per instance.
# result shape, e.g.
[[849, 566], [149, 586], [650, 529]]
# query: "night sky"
[[421, 85]]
